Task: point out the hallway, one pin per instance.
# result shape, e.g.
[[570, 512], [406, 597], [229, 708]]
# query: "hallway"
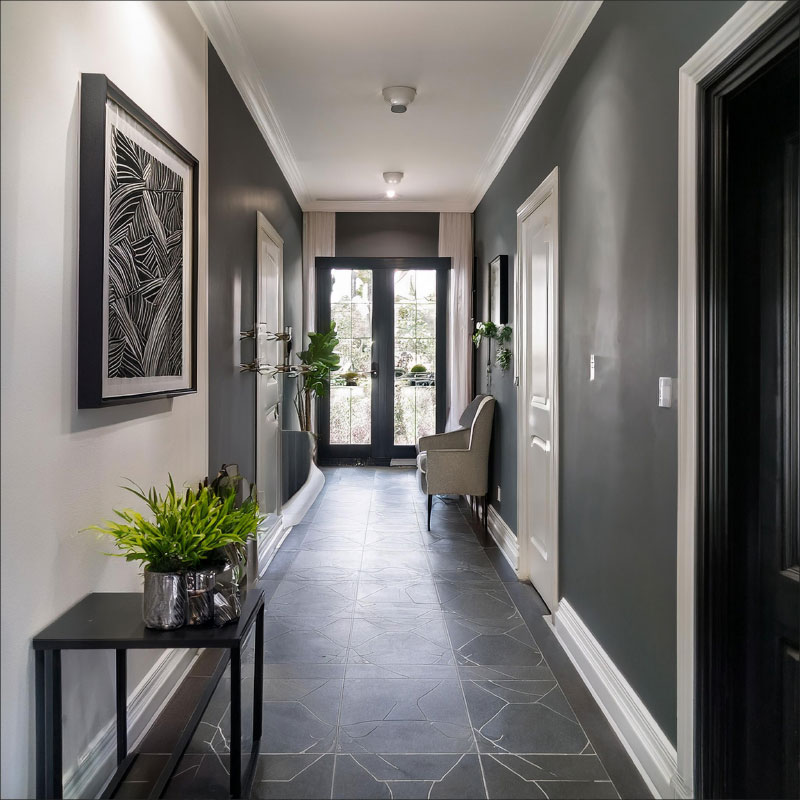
[[397, 665]]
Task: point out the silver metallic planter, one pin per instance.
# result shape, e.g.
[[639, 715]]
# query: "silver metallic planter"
[[227, 596], [164, 602], [200, 589]]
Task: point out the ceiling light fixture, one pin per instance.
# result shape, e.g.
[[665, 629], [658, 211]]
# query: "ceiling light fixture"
[[393, 177], [399, 97]]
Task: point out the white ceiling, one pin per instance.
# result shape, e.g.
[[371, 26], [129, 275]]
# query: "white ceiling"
[[312, 74]]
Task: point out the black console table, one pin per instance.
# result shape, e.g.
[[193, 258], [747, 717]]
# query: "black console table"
[[109, 621]]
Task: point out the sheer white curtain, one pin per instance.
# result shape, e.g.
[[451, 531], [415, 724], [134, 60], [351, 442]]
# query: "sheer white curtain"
[[319, 239], [455, 242]]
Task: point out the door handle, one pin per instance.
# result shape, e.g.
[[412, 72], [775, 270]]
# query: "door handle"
[[374, 370]]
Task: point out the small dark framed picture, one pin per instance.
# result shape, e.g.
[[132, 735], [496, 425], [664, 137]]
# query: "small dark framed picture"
[[498, 290], [137, 287]]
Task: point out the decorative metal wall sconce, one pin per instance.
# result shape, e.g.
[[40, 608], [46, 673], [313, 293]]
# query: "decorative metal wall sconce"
[[259, 331], [290, 370]]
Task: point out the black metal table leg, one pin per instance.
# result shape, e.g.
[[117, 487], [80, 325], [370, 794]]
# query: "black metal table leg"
[[122, 706], [236, 723], [41, 750], [51, 713], [258, 678]]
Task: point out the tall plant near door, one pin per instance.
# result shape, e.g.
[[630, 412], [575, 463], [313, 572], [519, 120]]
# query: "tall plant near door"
[[319, 359]]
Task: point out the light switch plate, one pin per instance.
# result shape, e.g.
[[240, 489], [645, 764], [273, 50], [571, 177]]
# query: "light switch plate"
[[665, 392], [591, 367]]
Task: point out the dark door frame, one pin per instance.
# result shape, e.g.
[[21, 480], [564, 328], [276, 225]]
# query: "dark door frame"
[[714, 674], [382, 448]]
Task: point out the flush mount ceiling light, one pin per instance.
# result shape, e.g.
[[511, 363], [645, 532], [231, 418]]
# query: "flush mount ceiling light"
[[399, 97], [392, 178]]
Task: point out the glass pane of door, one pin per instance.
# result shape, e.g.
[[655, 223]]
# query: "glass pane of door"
[[414, 355], [351, 386]]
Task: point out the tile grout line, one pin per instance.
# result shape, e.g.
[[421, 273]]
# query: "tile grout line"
[[419, 515], [547, 664], [347, 655], [458, 677]]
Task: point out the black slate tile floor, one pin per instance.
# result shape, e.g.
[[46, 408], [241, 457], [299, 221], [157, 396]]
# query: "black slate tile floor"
[[398, 664]]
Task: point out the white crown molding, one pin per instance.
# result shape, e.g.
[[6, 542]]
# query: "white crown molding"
[[221, 29], [569, 26], [737, 30], [647, 745], [386, 205]]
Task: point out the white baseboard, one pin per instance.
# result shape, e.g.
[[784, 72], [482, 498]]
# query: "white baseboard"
[[648, 746], [270, 537], [295, 509], [504, 537], [96, 765]]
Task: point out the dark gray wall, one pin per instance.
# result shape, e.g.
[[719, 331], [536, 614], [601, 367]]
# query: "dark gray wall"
[[387, 234], [610, 124], [243, 178]]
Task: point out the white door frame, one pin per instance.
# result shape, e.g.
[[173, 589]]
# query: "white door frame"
[[547, 188], [270, 532], [739, 28]]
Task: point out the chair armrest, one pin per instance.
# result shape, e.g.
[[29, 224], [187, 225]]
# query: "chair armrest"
[[457, 472], [452, 440]]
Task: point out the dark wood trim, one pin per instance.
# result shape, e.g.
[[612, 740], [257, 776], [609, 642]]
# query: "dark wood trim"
[[714, 556], [96, 89]]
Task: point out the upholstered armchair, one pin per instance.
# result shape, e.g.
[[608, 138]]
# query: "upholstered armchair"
[[457, 462]]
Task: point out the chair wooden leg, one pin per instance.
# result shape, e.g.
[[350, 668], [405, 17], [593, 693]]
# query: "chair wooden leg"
[[430, 506]]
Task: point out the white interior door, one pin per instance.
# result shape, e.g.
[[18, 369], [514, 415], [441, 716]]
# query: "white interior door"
[[269, 319], [537, 402]]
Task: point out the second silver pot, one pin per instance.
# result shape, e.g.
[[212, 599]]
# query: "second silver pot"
[[200, 590]]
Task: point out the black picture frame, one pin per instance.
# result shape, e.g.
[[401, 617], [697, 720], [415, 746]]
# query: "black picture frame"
[[97, 92], [498, 290]]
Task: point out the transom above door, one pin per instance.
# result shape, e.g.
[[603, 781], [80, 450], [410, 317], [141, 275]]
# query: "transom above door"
[[390, 316]]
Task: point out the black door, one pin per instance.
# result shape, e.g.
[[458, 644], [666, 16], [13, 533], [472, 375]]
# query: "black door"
[[748, 708], [390, 316]]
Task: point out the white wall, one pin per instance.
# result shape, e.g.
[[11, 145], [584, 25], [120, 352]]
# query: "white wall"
[[61, 467]]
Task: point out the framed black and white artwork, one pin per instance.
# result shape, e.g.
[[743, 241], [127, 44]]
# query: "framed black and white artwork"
[[137, 294], [498, 290]]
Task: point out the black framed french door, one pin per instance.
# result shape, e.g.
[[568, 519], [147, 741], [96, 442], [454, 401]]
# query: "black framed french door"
[[391, 320]]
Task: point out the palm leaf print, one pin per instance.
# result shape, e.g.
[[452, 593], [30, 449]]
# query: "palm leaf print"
[[145, 264]]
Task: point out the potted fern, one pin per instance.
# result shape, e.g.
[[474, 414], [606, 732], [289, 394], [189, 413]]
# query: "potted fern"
[[179, 545]]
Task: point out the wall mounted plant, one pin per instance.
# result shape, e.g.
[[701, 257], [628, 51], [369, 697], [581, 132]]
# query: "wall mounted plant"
[[501, 334]]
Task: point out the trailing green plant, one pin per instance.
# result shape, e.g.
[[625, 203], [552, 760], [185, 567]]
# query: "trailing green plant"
[[187, 529], [501, 334], [484, 330], [321, 359], [503, 358]]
